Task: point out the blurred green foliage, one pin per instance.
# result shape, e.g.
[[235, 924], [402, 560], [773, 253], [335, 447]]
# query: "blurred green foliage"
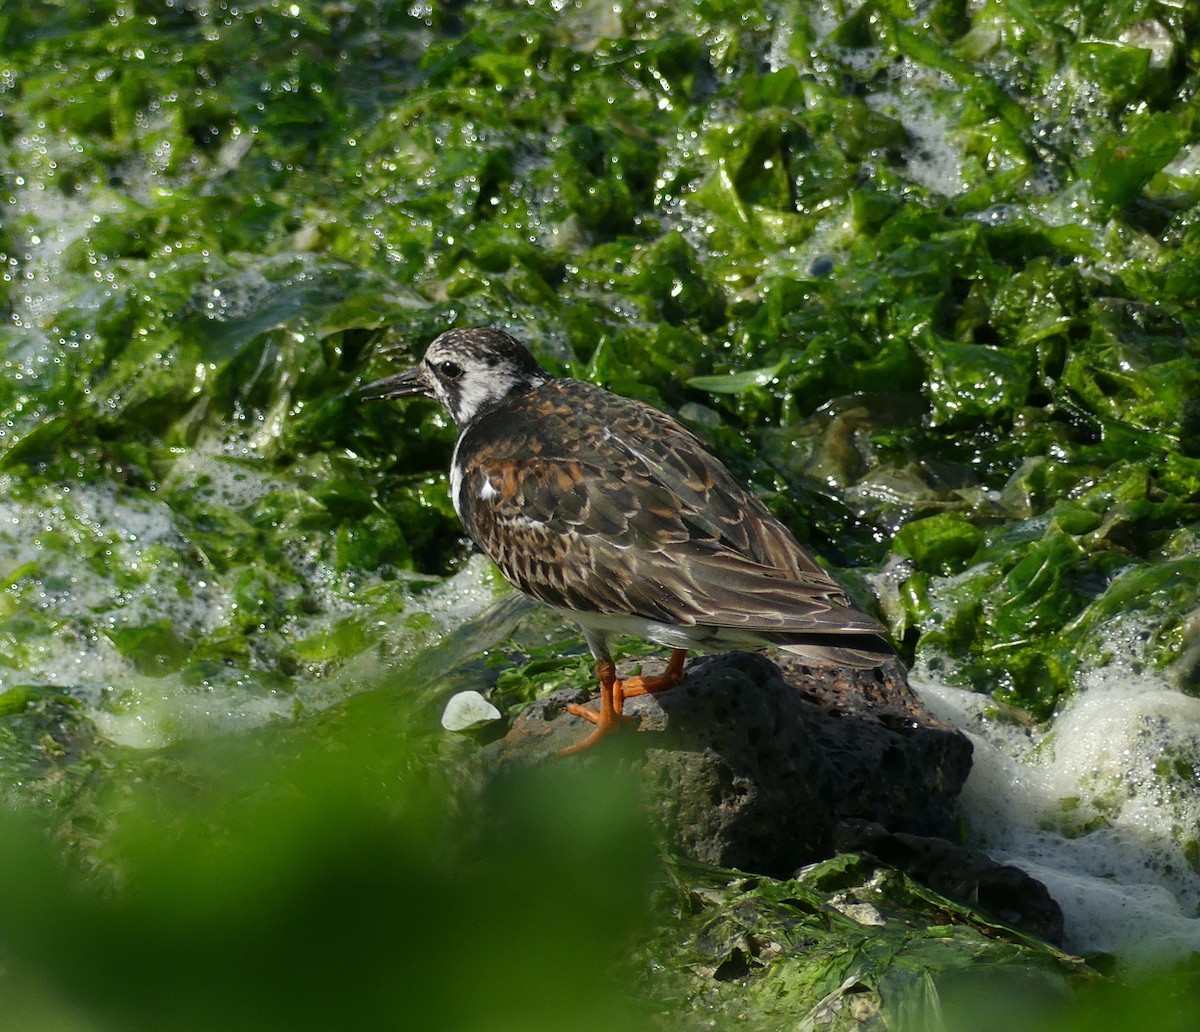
[[330, 882]]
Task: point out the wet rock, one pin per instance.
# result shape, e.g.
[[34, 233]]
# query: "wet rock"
[[751, 764], [968, 876]]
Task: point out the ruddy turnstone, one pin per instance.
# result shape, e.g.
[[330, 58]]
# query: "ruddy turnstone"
[[617, 516]]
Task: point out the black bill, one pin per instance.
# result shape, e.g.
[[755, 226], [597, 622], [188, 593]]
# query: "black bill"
[[400, 385]]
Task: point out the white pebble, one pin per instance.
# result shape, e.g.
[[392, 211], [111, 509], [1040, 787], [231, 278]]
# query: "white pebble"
[[467, 710]]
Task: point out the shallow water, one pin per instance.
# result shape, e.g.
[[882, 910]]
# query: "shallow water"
[[1100, 805], [958, 244]]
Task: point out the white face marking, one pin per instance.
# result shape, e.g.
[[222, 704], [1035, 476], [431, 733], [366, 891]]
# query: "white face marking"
[[476, 388], [472, 371], [487, 492]]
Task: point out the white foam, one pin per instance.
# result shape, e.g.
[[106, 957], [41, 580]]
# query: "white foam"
[[63, 221], [151, 712], [464, 596], [91, 560], [223, 470], [933, 160], [1102, 806], [83, 601]]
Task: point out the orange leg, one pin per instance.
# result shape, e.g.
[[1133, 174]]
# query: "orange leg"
[[613, 694], [640, 685]]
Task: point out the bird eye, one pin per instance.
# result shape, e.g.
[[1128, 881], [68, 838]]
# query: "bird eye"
[[450, 370]]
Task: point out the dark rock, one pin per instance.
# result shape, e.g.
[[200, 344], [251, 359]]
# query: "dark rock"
[[750, 764], [968, 876]]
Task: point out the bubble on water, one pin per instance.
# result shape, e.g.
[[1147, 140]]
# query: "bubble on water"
[[464, 596], [225, 471], [1102, 805], [933, 159], [91, 564]]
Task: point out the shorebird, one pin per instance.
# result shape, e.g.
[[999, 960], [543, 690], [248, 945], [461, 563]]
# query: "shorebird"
[[620, 518]]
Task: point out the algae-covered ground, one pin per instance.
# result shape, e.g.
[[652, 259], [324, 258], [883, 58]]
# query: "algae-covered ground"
[[924, 274]]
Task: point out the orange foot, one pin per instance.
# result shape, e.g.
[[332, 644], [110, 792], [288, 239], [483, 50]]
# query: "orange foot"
[[613, 694]]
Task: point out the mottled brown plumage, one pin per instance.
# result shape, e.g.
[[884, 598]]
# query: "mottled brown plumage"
[[611, 511]]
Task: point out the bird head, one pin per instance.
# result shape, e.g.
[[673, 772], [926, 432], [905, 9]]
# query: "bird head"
[[468, 371]]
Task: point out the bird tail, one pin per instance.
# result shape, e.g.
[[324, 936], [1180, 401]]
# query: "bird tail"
[[857, 651]]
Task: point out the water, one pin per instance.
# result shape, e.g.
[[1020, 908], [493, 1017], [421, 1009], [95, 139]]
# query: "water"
[[151, 712], [90, 569], [1101, 805]]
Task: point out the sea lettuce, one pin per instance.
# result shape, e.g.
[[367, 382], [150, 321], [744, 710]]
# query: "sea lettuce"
[[925, 275]]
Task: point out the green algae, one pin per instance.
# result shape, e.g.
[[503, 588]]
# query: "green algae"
[[847, 943], [925, 274]]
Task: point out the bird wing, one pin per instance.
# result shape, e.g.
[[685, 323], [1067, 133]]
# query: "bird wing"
[[613, 507]]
